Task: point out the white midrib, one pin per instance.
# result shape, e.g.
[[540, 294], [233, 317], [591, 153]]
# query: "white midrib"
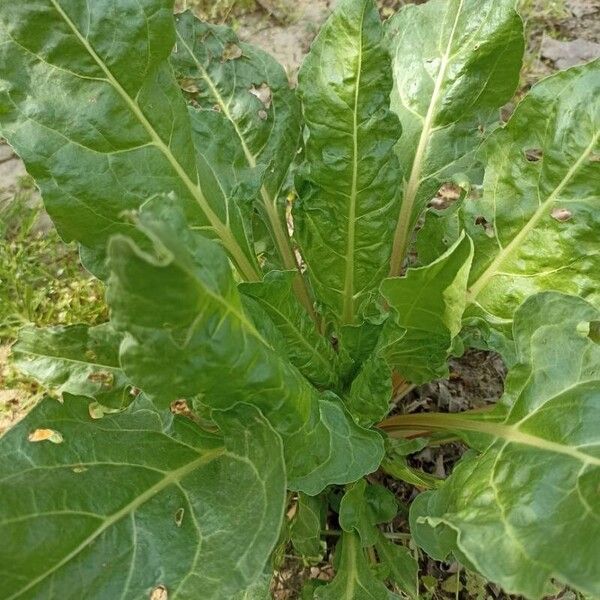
[[542, 211], [170, 479], [348, 304], [220, 228], [403, 225]]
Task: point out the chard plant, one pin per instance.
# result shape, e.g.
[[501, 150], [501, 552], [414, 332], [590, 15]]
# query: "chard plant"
[[240, 394]]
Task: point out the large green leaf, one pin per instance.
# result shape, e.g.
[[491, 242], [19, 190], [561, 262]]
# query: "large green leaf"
[[525, 510], [88, 100], [137, 501], [455, 63], [305, 347], [354, 578], [77, 359], [349, 189], [188, 335], [246, 117], [537, 225]]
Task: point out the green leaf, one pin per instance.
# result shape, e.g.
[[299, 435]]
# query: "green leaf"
[[145, 500], [305, 530], [370, 394], [306, 349], [364, 506], [188, 335], [427, 305], [77, 359], [540, 199], [354, 579], [401, 566], [525, 510], [89, 101], [455, 63], [349, 188], [247, 119], [260, 590]]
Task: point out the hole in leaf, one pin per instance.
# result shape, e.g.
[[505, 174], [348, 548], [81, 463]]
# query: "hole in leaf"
[[561, 214], [263, 93], [159, 593], [534, 154], [446, 196], [179, 517], [43, 435], [487, 226]]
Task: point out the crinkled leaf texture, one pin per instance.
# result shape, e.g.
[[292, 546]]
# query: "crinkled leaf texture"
[[89, 101], [541, 199], [77, 359], [525, 510], [535, 227], [455, 63], [188, 335], [350, 184], [245, 117], [304, 346], [141, 500]]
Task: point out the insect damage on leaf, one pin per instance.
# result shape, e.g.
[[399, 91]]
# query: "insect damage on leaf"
[[43, 435]]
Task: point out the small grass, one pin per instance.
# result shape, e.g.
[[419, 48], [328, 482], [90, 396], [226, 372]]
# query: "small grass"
[[41, 283]]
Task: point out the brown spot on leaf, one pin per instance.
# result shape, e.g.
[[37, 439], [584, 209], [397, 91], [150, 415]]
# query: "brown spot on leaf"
[[43, 435], [189, 85], [159, 593], [232, 52], [263, 93], [263, 114], [179, 516], [447, 195], [487, 226], [180, 407], [533, 154], [561, 214], [104, 378], [79, 469]]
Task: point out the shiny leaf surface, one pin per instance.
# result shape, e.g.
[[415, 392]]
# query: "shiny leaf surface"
[[306, 349], [349, 188], [188, 335], [540, 199], [176, 517], [89, 101], [455, 63]]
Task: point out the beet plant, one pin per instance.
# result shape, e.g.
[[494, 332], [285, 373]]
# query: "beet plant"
[[278, 279]]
